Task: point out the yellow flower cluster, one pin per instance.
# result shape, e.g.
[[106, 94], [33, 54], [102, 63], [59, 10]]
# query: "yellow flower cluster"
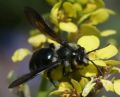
[[78, 18]]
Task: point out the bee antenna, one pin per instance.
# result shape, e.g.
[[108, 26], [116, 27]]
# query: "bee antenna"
[[98, 68]]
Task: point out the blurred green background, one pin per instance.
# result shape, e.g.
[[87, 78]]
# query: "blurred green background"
[[14, 30]]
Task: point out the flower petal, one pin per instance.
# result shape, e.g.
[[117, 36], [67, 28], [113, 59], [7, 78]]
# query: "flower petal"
[[54, 42], [107, 85], [20, 54], [76, 85], [89, 71], [82, 1], [99, 16], [11, 76], [55, 92], [108, 33], [69, 9], [89, 42], [88, 88], [86, 29], [115, 69], [90, 7], [65, 86], [83, 18], [99, 63], [100, 3], [83, 82], [68, 27], [117, 86], [54, 13], [37, 40], [112, 62], [107, 52]]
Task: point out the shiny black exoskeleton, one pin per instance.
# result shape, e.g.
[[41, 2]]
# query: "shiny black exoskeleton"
[[68, 54], [41, 57]]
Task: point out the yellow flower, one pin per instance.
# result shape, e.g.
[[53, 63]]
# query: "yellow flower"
[[66, 89], [20, 54], [37, 40], [98, 56]]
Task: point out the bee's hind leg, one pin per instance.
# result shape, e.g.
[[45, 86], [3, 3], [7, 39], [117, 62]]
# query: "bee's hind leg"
[[50, 78]]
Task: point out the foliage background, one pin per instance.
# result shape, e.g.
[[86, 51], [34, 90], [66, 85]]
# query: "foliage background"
[[14, 30]]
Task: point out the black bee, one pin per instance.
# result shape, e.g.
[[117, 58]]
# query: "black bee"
[[68, 54]]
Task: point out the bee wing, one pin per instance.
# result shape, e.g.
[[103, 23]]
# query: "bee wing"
[[30, 75], [38, 22], [22, 80]]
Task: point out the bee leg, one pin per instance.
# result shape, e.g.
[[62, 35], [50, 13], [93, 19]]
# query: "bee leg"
[[50, 78], [70, 70], [72, 66], [64, 71], [98, 68], [66, 68], [95, 49], [92, 51]]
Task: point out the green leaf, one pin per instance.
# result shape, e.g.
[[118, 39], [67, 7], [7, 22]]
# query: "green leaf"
[[20, 54], [108, 85], [88, 88], [107, 33], [76, 85], [68, 27], [117, 86]]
